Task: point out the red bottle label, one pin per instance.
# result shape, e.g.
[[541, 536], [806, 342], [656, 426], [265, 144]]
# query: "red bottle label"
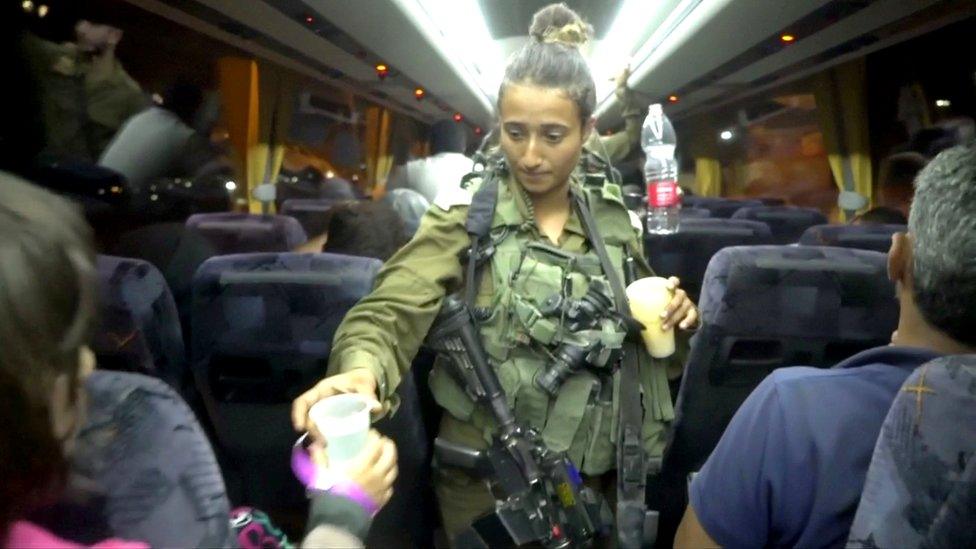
[[662, 194]]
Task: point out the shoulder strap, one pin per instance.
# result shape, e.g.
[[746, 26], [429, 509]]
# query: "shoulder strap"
[[631, 466], [478, 226]]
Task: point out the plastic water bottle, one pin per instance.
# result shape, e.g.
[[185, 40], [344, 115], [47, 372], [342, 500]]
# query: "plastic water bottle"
[[660, 172]]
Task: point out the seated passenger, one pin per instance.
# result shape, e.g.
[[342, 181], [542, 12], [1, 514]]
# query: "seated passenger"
[[410, 206], [445, 166], [898, 171], [789, 470], [364, 229], [881, 216], [48, 288]]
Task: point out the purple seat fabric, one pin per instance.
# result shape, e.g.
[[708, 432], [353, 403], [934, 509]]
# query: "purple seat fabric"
[[312, 213], [787, 223], [686, 253], [862, 237], [231, 232], [719, 207], [139, 327]]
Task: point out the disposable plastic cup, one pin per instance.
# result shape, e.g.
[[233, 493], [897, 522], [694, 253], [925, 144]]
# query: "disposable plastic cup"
[[648, 298], [343, 421]]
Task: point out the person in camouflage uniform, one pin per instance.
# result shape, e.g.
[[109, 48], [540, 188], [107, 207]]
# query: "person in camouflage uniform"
[[541, 249]]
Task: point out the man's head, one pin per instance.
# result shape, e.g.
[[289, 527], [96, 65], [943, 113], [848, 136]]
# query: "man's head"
[[95, 37], [897, 176], [934, 265], [447, 136]]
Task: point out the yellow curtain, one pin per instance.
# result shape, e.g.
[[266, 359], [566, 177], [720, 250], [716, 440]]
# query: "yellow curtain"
[[842, 110], [379, 159], [239, 97], [276, 105], [703, 148]]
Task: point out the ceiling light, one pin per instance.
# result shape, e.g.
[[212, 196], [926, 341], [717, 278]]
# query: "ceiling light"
[[943, 103], [478, 130], [727, 135], [42, 10], [787, 38], [230, 186], [673, 99], [458, 117], [27, 5], [419, 93], [309, 19]]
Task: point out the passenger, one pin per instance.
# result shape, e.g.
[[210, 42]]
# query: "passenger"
[[364, 229], [87, 94], [446, 164], [881, 216], [789, 470], [410, 206], [545, 107], [898, 173], [615, 147], [161, 141], [48, 286]]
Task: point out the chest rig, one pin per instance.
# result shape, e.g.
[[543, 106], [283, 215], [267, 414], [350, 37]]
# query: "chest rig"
[[551, 321]]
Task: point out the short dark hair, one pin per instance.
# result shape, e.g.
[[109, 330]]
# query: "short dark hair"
[[447, 136], [882, 216], [899, 170], [552, 58], [943, 228], [47, 313], [366, 229]]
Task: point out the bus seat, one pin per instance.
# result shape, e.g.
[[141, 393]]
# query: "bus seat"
[[762, 308], [694, 213], [262, 327], [143, 447], [312, 213], [139, 328], [787, 223], [232, 233], [862, 237], [919, 490], [685, 254], [719, 207]]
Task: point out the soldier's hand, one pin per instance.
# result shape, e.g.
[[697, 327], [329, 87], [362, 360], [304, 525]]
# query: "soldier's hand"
[[681, 311], [360, 381], [621, 89]]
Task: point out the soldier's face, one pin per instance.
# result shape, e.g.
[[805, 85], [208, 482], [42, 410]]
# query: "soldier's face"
[[541, 137]]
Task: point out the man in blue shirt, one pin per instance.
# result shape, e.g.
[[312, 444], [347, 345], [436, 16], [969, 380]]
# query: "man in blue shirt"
[[789, 470]]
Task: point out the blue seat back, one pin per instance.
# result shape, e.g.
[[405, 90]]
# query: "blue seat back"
[[787, 223], [719, 207], [232, 233], [686, 253], [765, 307], [691, 212], [143, 447], [311, 213], [139, 327], [863, 237]]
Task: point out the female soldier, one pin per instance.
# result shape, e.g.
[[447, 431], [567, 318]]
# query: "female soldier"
[[541, 248]]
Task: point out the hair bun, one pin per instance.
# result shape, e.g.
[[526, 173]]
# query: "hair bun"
[[557, 23]]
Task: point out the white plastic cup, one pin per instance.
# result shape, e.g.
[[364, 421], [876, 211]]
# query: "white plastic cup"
[[343, 421], [648, 298]]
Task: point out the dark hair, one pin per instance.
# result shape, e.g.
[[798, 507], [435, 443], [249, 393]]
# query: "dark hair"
[[552, 58], [899, 170], [47, 313], [447, 136], [365, 229], [882, 216], [184, 100]]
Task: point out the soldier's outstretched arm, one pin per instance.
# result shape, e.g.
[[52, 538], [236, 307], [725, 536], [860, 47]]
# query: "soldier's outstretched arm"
[[383, 332]]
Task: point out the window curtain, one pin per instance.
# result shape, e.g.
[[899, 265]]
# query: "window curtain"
[[842, 111], [379, 158], [704, 149], [239, 99]]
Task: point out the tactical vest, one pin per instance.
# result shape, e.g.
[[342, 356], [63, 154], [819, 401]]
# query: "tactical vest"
[[519, 333]]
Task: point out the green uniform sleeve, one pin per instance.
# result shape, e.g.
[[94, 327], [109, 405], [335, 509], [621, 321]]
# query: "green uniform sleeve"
[[384, 331], [619, 145]]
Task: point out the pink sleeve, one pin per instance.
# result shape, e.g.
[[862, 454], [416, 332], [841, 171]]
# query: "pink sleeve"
[[25, 535]]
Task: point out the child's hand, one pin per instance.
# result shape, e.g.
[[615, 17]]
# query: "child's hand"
[[374, 470]]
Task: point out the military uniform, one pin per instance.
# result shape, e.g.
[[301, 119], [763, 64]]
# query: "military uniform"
[[384, 331], [614, 148]]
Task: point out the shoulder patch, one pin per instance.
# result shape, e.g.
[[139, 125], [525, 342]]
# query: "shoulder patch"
[[453, 195]]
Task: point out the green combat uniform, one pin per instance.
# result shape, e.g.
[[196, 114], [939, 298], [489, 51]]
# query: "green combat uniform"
[[385, 330], [614, 148], [86, 98]]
